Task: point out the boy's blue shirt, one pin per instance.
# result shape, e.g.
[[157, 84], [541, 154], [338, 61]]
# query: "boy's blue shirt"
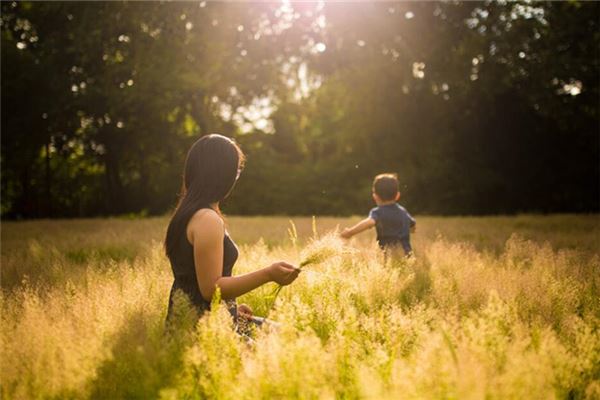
[[392, 223]]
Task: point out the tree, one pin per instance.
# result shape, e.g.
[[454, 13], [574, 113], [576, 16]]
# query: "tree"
[[481, 107]]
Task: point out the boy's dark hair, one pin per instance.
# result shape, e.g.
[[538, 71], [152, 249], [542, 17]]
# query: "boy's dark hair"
[[386, 186]]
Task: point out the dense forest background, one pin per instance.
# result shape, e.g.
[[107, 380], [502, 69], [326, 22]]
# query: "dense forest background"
[[480, 107]]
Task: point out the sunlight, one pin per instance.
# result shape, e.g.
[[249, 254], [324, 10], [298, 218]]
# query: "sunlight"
[[571, 87]]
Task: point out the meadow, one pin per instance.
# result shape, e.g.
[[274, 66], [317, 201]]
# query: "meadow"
[[490, 308]]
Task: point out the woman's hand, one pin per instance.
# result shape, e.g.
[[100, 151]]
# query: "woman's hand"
[[283, 273], [244, 311]]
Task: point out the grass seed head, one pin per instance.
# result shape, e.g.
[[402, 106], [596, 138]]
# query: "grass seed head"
[[321, 250]]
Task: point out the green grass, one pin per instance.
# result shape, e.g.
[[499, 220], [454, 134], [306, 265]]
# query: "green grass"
[[497, 307]]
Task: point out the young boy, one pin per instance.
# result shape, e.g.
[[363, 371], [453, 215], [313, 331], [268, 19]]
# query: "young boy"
[[392, 222]]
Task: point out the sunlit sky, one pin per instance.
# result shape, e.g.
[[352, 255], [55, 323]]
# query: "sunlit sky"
[[301, 81], [295, 74]]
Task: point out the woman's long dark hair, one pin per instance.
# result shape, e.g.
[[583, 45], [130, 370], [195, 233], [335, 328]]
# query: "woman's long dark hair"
[[211, 169]]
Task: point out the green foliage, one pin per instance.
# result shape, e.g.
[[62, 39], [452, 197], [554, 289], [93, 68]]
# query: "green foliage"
[[480, 107]]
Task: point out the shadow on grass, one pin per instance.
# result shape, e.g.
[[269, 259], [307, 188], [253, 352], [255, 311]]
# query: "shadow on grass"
[[418, 289], [145, 359], [102, 254]]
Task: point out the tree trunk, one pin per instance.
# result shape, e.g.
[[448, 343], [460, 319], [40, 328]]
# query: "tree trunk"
[[48, 182], [113, 183]]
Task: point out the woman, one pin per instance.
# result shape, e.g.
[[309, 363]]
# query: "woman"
[[197, 244]]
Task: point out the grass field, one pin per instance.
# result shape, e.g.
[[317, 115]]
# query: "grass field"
[[491, 308]]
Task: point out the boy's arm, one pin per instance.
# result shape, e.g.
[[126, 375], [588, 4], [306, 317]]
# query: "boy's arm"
[[363, 225], [413, 223]]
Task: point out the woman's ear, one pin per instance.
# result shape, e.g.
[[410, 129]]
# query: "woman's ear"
[[397, 196], [375, 198]]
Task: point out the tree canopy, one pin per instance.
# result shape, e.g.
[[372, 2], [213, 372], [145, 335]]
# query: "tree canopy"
[[480, 107]]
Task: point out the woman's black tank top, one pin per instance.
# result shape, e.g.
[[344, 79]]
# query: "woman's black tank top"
[[184, 272]]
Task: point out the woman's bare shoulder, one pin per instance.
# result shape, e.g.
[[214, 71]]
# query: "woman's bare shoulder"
[[205, 223]]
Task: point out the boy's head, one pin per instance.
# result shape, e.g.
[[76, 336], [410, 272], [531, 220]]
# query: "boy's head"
[[385, 188]]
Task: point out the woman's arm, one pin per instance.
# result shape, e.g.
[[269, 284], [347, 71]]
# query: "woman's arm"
[[205, 231], [363, 225]]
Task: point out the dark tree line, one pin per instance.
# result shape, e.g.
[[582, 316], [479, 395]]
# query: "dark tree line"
[[480, 107]]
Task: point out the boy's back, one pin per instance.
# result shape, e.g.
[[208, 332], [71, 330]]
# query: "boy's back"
[[392, 221], [393, 224]]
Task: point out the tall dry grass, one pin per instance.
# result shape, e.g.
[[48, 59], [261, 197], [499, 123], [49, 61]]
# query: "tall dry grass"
[[491, 308]]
